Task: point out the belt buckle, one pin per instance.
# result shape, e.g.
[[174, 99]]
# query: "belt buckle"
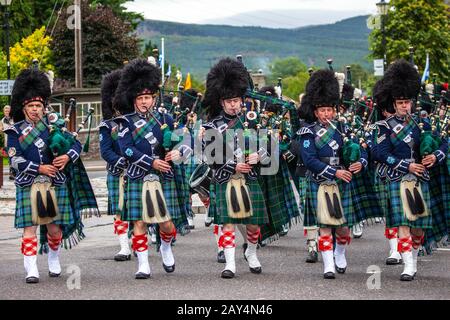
[[151, 177]]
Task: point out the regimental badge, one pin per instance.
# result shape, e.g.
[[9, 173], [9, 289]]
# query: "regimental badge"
[[397, 128], [407, 139], [11, 152], [333, 144], [27, 130], [140, 123], [321, 132], [52, 117]]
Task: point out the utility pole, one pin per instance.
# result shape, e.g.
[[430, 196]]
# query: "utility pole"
[[78, 47]]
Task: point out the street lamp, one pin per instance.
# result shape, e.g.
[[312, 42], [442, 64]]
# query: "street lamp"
[[383, 8], [6, 4]]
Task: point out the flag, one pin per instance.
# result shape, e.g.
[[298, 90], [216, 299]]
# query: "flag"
[[169, 71], [426, 72], [188, 84]]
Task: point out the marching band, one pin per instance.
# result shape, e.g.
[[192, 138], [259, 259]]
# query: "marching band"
[[335, 163]]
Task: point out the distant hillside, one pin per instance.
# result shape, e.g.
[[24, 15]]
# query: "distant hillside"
[[197, 47]]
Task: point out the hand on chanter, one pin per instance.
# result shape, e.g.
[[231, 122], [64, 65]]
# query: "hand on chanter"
[[243, 168], [344, 175]]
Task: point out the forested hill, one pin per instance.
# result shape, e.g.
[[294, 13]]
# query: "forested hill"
[[196, 48]]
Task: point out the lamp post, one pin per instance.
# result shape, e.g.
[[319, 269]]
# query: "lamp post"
[[383, 8], [6, 4]]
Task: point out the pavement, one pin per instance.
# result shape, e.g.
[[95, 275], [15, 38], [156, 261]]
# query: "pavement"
[[89, 271]]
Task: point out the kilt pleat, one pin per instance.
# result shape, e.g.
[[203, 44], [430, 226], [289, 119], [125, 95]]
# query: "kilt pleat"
[[112, 183]]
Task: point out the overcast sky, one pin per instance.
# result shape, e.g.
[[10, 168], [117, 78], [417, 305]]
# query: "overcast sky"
[[233, 11]]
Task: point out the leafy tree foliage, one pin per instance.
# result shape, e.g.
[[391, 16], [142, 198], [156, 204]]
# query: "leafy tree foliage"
[[422, 24], [107, 43]]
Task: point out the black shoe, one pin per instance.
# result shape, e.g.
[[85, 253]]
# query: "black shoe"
[[393, 261], [340, 270], [122, 257], [53, 275], [256, 270], [32, 280], [312, 257], [227, 274], [221, 257], [208, 223], [142, 275], [329, 275], [169, 269], [406, 277]]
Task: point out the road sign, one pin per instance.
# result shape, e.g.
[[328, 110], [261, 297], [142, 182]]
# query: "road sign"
[[378, 66], [6, 87]]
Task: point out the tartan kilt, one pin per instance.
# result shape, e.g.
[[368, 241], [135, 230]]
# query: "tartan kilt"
[[182, 185], [302, 185], [445, 180], [23, 215], [280, 199], [259, 217], [133, 210], [381, 188], [395, 216], [365, 197], [310, 217], [112, 183], [292, 206], [439, 204]]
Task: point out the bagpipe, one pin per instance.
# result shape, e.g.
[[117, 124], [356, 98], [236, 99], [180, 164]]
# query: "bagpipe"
[[438, 120], [60, 141]]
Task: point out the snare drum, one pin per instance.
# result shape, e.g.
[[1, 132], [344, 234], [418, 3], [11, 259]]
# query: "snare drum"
[[201, 180]]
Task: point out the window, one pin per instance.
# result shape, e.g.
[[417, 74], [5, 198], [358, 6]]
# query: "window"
[[57, 107], [83, 110]]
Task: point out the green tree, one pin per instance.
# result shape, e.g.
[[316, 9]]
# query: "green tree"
[[287, 67], [117, 6], [107, 43], [25, 16], [295, 85], [423, 24]]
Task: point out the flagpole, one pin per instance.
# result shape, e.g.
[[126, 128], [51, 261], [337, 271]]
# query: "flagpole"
[[162, 60]]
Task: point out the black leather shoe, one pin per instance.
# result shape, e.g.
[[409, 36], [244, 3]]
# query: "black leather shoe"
[[256, 270], [329, 275], [340, 270], [227, 274], [221, 257], [32, 280], [53, 275], [122, 257], [142, 275], [406, 277], [312, 257], [169, 269], [393, 261]]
